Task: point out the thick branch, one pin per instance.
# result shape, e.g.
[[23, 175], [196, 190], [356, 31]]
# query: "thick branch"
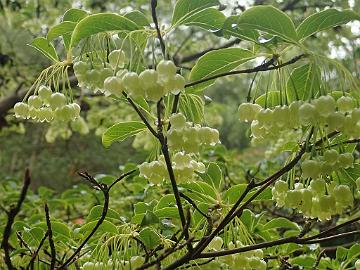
[[11, 214]]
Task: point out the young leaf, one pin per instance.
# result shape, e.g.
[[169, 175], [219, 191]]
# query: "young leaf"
[[150, 238], [303, 83], [74, 15], [122, 131], [137, 17], [64, 29], [98, 23], [281, 223], [323, 20], [216, 62], [208, 19], [192, 106], [270, 20], [269, 99], [46, 48], [186, 8], [231, 28], [96, 211]]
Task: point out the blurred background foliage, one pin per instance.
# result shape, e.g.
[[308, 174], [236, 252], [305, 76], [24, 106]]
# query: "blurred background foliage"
[[54, 159]]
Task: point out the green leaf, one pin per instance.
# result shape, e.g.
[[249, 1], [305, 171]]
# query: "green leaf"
[[271, 99], [233, 194], [137, 17], [354, 252], [187, 8], [304, 82], [201, 191], [98, 23], [74, 15], [341, 253], [121, 131], [323, 20], [305, 261], [143, 207], [217, 62], [166, 201], [192, 106], [96, 212], [231, 28], [46, 48], [280, 223], [167, 212], [208, 19], [150, 238], [149, 218], [350, 175], [270, 20], [64, 29], [106, 226], [214, 174]]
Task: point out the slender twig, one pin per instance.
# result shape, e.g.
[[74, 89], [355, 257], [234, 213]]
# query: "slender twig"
[[121, 178], [155, 20], [206, 240], [143, 118], [197, 55], [189, 200], [105, 190], [269, 65], [34, 255], [165, 151], [11, 214], [50, 236]]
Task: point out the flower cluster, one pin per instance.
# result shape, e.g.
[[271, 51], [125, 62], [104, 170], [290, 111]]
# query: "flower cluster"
[[133, 263], [92, 74], [334, 115], [184, 167], [326, 164], [47, 106], [149, 84], [185, 136], [319, 199], [249, 260]]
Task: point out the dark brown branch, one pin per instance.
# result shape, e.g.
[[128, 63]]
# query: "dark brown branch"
[[11, 214], [143, 118], [50, 236], [35, 254], [165, 151], [197, 55], [155, 20], [105, 190], [189, 200], [269, 65]]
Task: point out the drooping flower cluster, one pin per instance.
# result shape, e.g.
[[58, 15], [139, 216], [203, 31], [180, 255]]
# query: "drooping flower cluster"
[[133, 263], [184, 167], [185, 136], [149, 84], [319, 199], [47, 106], [92, 74], [334, 115], [249, 260], [326, 164]]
